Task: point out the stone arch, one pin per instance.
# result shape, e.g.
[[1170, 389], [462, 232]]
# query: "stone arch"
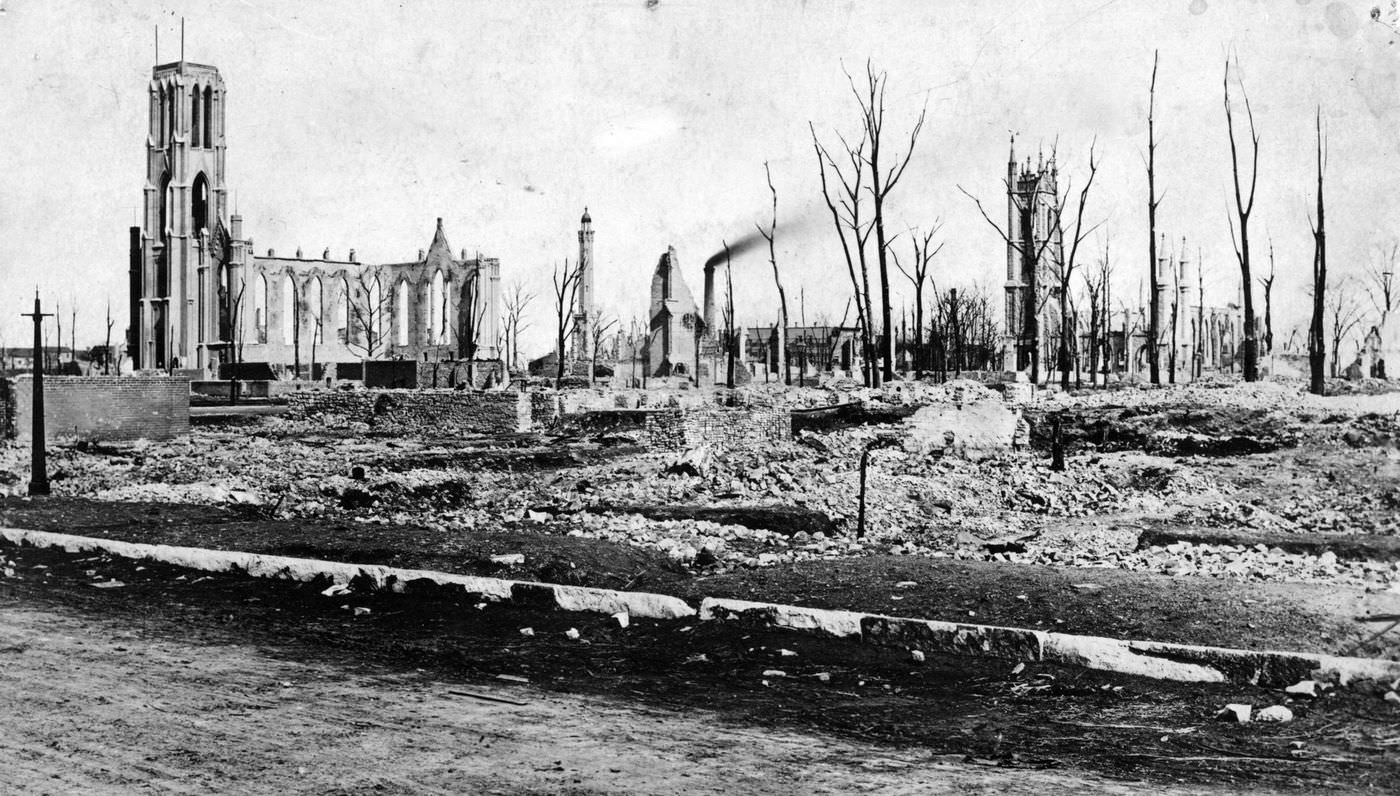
[[343, 312], [260, 308], [401, 324], [199, 204], [196, 115], [437, 310], [288, 307], [208, 117], [315, 307]]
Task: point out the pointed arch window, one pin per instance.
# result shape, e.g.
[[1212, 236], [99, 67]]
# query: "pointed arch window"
[[260, 308], [289, 308], [314, 307], [199, 204], [376, 316], [437, 314], [401, 313], [195, 116], [208, 118], [343, 312]]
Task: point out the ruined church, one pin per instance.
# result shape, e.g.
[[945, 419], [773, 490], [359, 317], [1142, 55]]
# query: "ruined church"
[[201, 297]]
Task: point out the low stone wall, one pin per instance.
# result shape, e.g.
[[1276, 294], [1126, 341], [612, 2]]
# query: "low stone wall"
[[99, 407], [721, 428], [416, 411], [450, 373]]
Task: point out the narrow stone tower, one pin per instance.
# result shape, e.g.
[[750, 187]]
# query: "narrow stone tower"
[[583, 298], [180, 248]]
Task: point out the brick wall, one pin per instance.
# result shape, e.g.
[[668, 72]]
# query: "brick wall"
[[416, 411], [101, 407]]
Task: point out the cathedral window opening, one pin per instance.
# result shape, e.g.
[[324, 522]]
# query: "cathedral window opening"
[[401, 313], [437, 299], [165, 198], [199, 205], [195, 116], [314, 307], [375, 315], [342, 319], [208, 118], [289, 309], [260, 308]]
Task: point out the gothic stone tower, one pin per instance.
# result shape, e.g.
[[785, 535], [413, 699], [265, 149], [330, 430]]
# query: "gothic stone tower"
[[1033, 248], [583, 299], [178, 251]]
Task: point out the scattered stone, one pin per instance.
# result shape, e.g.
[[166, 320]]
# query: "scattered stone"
[[1020, 667], [1392, 697], [774, 673], [917, 656], [824, 677], [697, 462], [527, 631], [360, 610], [1088, 587], [111, 584], [1303, 688], [509, 559], [622, 619], [1237, 713], [786, 653], [1278, 713], [571, 634], [512, 678], [906, 584], [335, 590]]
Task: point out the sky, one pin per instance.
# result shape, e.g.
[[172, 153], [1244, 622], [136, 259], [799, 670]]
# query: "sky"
[[356, 125]]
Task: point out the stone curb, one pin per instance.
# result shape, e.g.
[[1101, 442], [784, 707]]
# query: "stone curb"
[[371, 576], [1152, 659]]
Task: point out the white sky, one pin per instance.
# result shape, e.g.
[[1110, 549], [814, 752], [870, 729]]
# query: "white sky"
[[356, 124]]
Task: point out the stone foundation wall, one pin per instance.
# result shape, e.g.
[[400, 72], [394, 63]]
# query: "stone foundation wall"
[[416, 411], [721, 428]]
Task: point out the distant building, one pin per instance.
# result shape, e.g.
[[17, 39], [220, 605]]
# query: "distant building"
[[1034, 245], [200, 297]]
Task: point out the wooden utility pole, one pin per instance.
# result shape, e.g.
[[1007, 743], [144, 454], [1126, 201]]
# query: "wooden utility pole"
[[38, 467]]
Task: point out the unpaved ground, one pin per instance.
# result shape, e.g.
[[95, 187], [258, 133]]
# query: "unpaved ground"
[[197, 683]]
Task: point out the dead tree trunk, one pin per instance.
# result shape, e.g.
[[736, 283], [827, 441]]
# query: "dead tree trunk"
[[1154, 320], [768, 235], [1243, 208], [1317, 354]]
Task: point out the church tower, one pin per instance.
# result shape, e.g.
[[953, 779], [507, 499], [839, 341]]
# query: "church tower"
[[583, 298], [179, 251]]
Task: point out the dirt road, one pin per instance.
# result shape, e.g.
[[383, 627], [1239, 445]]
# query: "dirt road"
[[94, 708], [118, 676]]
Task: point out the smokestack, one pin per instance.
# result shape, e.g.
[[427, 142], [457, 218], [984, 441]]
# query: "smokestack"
[[709, 297]]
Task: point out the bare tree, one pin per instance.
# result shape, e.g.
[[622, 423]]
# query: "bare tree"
[[730, 341], [1346, 315], [847, 218], [1243, 208], [1154, 321], [924, 252], [298, 295], [1268, 284], [597, 333], [872, 107], [107, 343], [1380, 283], [517, 301], [367, 304], [471, 309], [1317, 352], [1065, 267], [565, 282], [1094, 297], [768, 235]]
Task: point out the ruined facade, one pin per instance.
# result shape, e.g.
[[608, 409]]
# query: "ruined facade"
[[675, 329], [1033, 250], [199, 297]]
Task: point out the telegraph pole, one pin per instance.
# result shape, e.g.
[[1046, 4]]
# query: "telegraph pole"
[[38, 467]]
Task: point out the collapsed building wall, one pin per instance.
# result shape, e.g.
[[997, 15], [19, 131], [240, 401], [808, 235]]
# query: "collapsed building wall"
[[433, 411], [721, 428], [98, 408]]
